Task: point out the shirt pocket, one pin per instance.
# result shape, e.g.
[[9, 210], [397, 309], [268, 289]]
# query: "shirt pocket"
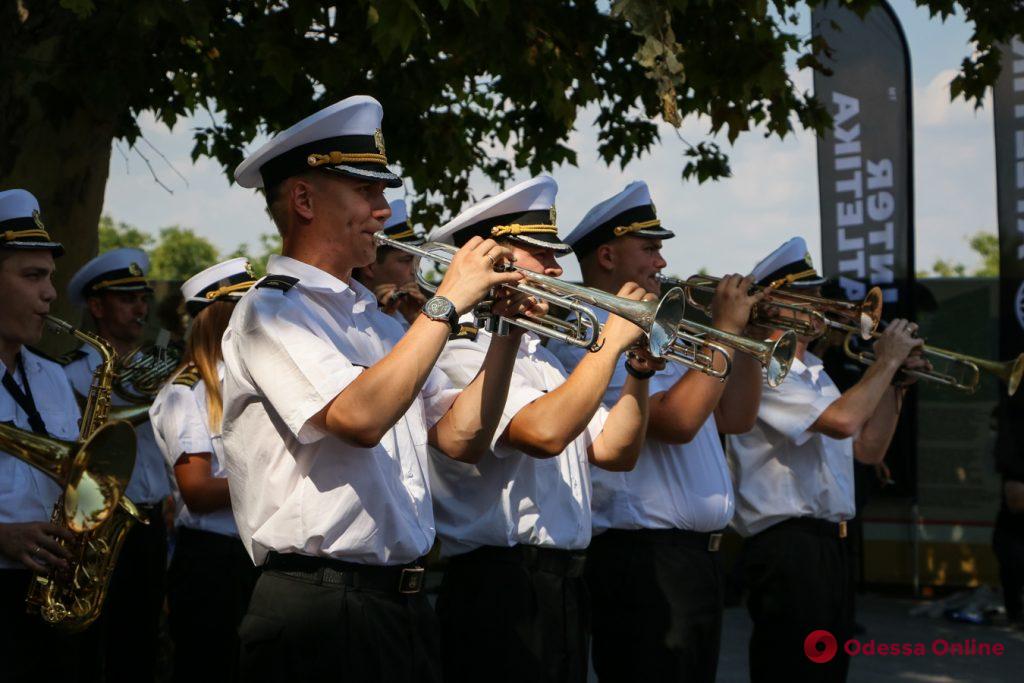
[[60, 425], [12, 474]]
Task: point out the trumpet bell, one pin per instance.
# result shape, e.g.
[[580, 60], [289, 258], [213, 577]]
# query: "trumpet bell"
[[783, 351], [1016, 372], [664, 325], [870, 312]]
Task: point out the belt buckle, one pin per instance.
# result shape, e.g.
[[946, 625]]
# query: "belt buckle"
[[842, 529], [714, 542], [410, 582]]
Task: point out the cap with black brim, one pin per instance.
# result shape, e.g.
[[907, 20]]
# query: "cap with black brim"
[[523, 214], [629, 213], [344, 138], [21, 225]]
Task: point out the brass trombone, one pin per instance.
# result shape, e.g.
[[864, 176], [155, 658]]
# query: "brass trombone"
[[658, 319], [808, 315], [962, 373]]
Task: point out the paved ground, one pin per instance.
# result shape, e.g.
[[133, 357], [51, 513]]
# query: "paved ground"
[[888, 620]]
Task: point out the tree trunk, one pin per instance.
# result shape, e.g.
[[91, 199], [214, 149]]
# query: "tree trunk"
[[66, 169], [61, 154]]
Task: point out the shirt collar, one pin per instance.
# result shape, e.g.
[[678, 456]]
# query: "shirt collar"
[[29, 360], [310, 276], [811, 366]]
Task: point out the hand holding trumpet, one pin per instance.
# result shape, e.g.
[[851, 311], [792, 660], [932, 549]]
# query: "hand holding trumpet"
[[471, 275]]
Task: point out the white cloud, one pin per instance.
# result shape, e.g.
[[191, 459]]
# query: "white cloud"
[[932, 106]]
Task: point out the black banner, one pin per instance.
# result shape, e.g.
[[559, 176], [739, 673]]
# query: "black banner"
[[865, 176], [1008, 108]]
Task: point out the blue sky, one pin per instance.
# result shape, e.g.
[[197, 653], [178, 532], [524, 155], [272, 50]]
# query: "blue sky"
[[723, 226]]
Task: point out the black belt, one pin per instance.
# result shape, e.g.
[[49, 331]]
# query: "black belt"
[[567, 563], [401, 579], [150, 509], [710, 541], [814, 526]]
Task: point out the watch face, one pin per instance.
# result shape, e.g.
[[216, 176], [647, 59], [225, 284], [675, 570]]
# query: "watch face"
[[437, 307]]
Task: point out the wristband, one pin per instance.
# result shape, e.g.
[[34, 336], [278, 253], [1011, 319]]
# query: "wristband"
[[639, 374]]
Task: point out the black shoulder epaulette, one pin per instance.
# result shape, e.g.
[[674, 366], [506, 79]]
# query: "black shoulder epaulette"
[[282, 282], [189, 377], [465, 332], [71, 356]]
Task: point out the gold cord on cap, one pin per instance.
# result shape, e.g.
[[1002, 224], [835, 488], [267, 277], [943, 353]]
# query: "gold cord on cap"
[[120, 281], [636, 227], [791, 278], [408, 232], [333, 158], [12, 235], [516, 229], [228, 289]]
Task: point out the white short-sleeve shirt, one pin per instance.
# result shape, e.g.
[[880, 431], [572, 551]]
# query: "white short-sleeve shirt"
[[673, 486], [509, 497], [783, 470], [150, 482], [26, 494], [294, 488], [181, 424]]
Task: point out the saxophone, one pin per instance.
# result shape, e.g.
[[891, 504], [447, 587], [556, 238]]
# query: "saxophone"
[[93, 505]]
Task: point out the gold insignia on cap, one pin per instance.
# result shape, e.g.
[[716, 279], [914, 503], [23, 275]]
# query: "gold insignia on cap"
[[134, 269], [38, 219], [248, 270], [378, 140], [553, 216], [807, 259]]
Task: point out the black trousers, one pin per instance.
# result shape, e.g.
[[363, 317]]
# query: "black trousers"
[[209, 584], [1008, 545], [798, 576], [30, 649], [125, 638], [657, 600], [514, 614], [309, 626]]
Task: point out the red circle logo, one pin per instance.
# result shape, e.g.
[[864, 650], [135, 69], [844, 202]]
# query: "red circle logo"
[[820, 646]]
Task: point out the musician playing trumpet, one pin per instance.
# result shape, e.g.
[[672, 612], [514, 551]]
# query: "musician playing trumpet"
[[793, 474], [37, 398], [515, 523], [653, 567], [392, 276], [329, 407]]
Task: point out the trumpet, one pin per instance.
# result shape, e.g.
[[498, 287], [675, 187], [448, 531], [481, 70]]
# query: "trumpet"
[[658, 319], [805, 314], [962, 373], [775, 356]]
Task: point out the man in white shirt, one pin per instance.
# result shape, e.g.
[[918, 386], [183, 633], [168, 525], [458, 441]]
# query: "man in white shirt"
[[392, 275], [328, 410], [35, 398], [515, 524], [793, 474], [653, 567], [113, 291]]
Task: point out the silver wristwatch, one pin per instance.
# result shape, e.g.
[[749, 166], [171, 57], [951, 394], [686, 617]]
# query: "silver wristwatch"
[[441, 309]]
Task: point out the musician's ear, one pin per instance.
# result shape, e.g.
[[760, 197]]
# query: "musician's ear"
[[96, 307], [605, 257]]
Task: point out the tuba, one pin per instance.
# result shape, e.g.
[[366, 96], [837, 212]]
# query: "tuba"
[[94, 472]]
